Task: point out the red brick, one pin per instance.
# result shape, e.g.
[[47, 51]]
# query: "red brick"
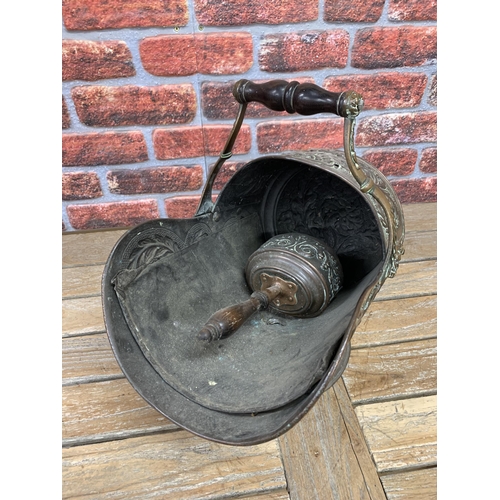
[[182, 207], [392, 161], [90, 61], [239, 12], [423, 190], [66, 120], [428, 161], [433, 92], [178, 142], [107, 215], [209, 54], [191, 142], [102, 106], [306, 50], [297, 135], [382, 90], [412, 10], [80, 186], [169, 55], [394, 47], [402, 128], [225, 174], [108, 148], [224, 53], [155, 180], [115, 14], [353, 11], [218, 103]]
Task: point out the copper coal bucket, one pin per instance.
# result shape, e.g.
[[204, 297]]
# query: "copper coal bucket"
[[249, 380]]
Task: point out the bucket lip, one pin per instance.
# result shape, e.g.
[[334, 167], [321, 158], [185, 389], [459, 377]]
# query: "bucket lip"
[[319, 158]]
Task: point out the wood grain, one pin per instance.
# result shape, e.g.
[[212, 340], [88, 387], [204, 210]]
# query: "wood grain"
[[81, 281], [107, 410], [88, 359], [420, 216], [400, 434], [325, 455], [358, 441], [387, 322], [393, 371], [82, 316], [86, 248], [413, 279], [175, 465], [420, 246], [281, 494], [411, 485]]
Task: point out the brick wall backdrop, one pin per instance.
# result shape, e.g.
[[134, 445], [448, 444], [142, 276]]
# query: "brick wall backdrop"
[[147, 105]]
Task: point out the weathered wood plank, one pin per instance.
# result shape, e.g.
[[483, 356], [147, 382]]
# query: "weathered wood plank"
[[82, 316], [358, 441], [88, 358], [325, 455], [271, 495], [412, 485], [83, 249], [392, 371], [400, 434], [393, 321], [81, 281], [412, 279], [107, 410], [175, 465], [420, 216], [420, 246]]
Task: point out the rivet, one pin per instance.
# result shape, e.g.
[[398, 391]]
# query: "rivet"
[[177, 29], [201, 27]]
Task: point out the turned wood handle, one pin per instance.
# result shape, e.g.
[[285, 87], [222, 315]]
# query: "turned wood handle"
[[295, 97], [226, 321]]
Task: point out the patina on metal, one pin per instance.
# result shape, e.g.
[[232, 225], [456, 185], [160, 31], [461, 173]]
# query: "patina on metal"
[[165, 278], [294, 274]]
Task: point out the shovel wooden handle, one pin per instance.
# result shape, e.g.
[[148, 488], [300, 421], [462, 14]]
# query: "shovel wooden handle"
[[226, 321]]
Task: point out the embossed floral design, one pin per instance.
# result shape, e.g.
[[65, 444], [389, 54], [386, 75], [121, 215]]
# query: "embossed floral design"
[[154, 243], [311, 250], [328, 209]]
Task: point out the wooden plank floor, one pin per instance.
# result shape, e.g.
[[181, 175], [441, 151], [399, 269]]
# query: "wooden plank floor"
[[372, 436]]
